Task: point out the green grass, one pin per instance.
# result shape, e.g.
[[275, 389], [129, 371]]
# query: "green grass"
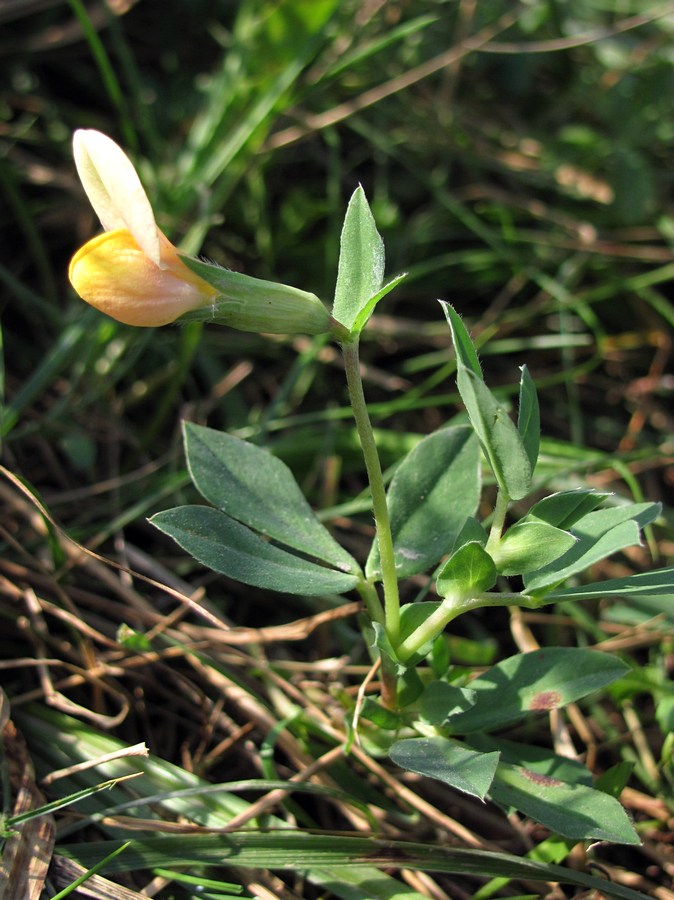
[[530, 189]]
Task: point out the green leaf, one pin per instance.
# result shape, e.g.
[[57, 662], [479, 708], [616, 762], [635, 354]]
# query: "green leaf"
[[584, 554], [259, 490], [642, 584], [602, 520], [472, 531], [365, 313], [566, 507], [227, 546], [614, 780], [497, 434], [361, 262], [441, 700], [528, 546], [385, 647], [434, 490], [412, 615], [501, 442], [572, 810], [448, 761], [409, 687], [534, 682], [537, 759], [469, 571], [529, 417], [466, 357], [600, 533]]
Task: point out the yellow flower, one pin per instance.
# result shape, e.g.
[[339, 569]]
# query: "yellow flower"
[[132, 272]]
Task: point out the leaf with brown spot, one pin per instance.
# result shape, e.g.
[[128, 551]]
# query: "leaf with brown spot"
[[543, 780], [546, 700], [572, 810], [536, 681]]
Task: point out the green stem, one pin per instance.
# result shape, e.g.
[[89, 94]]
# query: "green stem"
[[377, 489], [498, 521], [370, 597], [448, 610], [434, 624]]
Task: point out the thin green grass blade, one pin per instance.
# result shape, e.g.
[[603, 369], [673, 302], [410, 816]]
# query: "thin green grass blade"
[[96, 867], [106, 69], [47, 808], [291, 850]]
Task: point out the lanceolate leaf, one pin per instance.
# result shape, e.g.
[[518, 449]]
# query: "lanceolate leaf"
[[435, 489], [659, 582], [497, 434], [466, 770], [600, 533], [259, 490], [227, 546], [466, 356], [529, 545], [529, 418], [601, 520], [501, 442], [537, 759], [534, 682], [572, 810], [537, 788], [367, 310], [566, 507], [361, 262]]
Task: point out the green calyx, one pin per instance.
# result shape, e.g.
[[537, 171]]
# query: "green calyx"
[[252, 304]]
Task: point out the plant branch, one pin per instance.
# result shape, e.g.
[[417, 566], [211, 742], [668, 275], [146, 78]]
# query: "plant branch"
[[378, 491], [498, 521], [449, 609]]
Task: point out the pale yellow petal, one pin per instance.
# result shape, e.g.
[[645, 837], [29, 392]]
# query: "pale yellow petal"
[[114, 189]]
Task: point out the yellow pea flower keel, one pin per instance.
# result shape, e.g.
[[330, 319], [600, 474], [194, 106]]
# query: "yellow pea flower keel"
[[113, 274]]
